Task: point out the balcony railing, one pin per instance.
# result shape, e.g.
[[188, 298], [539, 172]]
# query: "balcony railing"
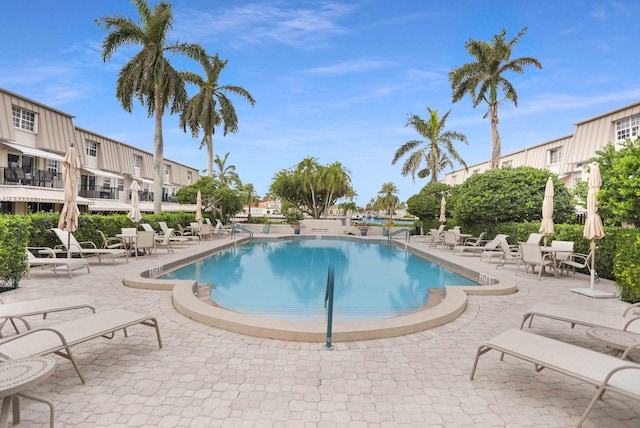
[[30, 177], [99, 192]]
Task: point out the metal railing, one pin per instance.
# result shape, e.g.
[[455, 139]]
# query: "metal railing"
[[396, 232], [328, 299], [30, 177], [238, 227]]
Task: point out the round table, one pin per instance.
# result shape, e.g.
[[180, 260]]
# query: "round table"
[[17, 376], [617, 339]]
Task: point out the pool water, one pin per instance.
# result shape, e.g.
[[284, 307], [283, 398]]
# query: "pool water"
[[287, 279]]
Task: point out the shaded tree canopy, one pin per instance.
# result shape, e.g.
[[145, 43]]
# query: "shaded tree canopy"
[[510, 194], [312, 187], [426, 204], [619, 195], [217, 197]]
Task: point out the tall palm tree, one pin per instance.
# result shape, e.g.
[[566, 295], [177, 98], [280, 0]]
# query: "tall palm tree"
[[249, 196], [335, 181], [435, 150], [210, 107], [226, 173], [149, 76], [389, 197], [308, 169], [483, 79]]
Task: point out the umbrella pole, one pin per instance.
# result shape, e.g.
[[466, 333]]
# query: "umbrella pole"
[[593, 265]]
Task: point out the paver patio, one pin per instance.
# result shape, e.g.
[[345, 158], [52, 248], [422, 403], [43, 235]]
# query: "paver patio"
[[206, 377]]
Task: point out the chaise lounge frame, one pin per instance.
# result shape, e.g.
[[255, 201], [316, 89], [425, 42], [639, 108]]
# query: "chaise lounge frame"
[[60, 338], [606, 372]]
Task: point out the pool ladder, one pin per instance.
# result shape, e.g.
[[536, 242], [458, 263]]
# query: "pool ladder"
[[238, 227], [328, 298], [396, 232]]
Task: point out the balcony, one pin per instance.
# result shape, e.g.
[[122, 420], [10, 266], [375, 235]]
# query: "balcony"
[[30, 177], [99, 192]]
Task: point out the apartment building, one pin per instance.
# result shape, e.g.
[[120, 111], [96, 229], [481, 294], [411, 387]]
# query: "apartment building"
[[567, 156], [33, 141]]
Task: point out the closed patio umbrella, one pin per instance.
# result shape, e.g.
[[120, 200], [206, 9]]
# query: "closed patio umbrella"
[[546, 227], [71, 176], [443, 208], [593, 230], [134, 214], [199, 208]]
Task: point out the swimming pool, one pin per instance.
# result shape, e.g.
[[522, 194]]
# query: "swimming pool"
[[286, 279]]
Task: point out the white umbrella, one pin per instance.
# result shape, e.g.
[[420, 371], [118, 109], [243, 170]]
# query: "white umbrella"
[[134, 214], [443, 204], [593, 230], [71, 176], [546, 227], [199, 208]]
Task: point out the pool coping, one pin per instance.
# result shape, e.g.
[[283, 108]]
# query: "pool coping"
[[187, 302]]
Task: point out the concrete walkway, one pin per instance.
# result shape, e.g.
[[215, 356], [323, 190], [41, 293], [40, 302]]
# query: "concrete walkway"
[[206, 377]]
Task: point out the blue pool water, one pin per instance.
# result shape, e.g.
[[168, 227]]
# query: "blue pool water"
[[378, 220], [286, 279]]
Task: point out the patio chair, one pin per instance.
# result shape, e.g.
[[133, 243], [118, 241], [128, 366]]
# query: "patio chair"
[[450, 239], [534, 238], [577, 261], [473, 245], [60, 338], [145, 241], [628, 321], [492, 249], [531, 256], [110, 242], [147, 227], [606, 372], [53, 261], [510, 253], [44, 306], [205, 231], [221, 229], [186, 233], [562, 250], [72, 246]]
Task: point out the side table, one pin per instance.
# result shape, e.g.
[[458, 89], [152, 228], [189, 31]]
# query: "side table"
[[17, 376], [618, 340]]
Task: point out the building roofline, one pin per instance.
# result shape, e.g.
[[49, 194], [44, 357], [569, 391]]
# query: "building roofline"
[[36, 102], [637, 103]]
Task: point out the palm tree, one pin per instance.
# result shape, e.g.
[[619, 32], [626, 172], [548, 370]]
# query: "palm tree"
[[226, 173], [249, 196], [335, 181], [483, 79], [435, 150], [149, 76], [210, 107], [388, 195], [308, 169]]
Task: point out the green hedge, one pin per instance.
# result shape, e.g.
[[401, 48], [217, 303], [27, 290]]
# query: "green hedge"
[[14, 237]]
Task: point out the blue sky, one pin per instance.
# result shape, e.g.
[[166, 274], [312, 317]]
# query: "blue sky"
[[336, 80]]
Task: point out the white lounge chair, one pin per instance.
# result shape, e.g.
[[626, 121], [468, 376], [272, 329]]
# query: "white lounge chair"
[[492, 249], [43, 307], [53, 261], [473, 245], [169, 232], [534, 238], [629, 320], [221, 230], [60, 338], [606, 372], [71, 245], [531, 256], [510, 253]]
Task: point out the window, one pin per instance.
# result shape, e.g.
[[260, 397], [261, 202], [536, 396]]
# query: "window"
[[476, 171], [52, 166], [121, 184], [576, 182], [453, 179], [106, 182], [137, 160], [167, 173], [555, 155], [24, 119], [627, 128], [189, 177], [507, 164], [92, 149]]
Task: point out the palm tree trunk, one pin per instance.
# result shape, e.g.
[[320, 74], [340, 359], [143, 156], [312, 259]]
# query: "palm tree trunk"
[[158, 158], [209, 142], [495, 136]]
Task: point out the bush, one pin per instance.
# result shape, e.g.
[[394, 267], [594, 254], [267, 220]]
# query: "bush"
[[14, 236], [627, 265]]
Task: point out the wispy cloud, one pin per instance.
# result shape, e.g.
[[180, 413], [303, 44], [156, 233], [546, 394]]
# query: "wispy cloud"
[[611, 10], [258, 23], [350, 67]]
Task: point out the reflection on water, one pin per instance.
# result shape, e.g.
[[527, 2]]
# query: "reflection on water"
[[286, 279]]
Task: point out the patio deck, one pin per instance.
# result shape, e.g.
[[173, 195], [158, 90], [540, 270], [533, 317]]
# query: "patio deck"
[[205, 377]]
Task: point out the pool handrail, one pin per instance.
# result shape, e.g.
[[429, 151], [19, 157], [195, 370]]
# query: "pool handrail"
[[395, 232], [240, 227]]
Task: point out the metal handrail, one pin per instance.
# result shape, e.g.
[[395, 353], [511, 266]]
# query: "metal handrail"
[[240, 227], [395, 232], [328, 298]]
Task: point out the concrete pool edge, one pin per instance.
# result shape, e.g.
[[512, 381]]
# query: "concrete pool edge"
[[187, 303]]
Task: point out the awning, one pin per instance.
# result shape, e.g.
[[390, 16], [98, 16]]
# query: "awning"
[[143, 180], [33, 151], [99, 172], [109, 205], [36, 194]]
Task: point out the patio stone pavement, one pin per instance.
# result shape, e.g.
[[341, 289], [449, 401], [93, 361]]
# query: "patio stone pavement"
[[207, 377]]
